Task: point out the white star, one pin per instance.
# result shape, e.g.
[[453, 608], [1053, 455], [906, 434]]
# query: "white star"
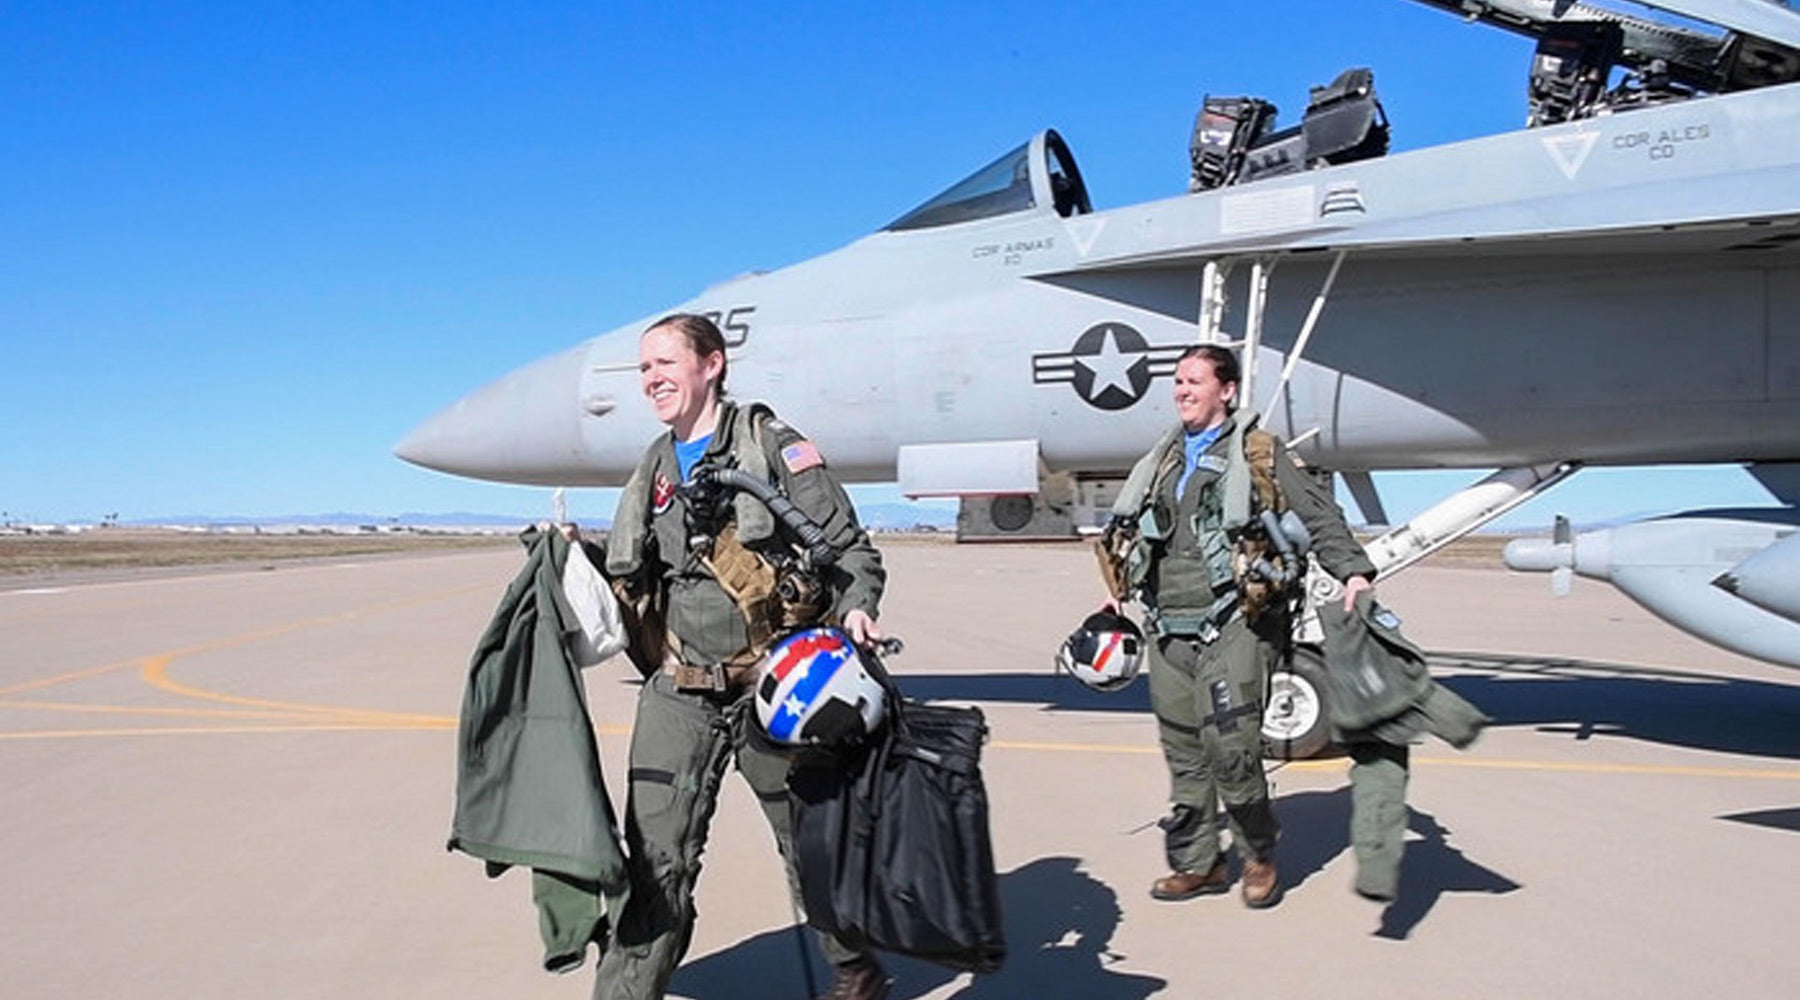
[[1111, 367], [793, 706]]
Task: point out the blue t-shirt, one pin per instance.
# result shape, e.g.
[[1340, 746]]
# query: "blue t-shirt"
[[688, 454], [1193, 447]]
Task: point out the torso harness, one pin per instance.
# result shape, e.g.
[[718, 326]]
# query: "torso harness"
[[732, 512], [1198, 560]]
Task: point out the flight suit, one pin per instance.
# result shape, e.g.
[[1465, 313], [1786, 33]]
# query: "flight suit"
[[1383, 697], [682, 741], [1209, 663]]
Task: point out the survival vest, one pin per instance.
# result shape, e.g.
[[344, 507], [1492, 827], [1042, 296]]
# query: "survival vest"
[[737, 555], [1219, 520]]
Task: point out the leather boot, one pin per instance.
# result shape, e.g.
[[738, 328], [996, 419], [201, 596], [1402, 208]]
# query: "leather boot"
[[1177, 886], [863, 979], [1262, 883]]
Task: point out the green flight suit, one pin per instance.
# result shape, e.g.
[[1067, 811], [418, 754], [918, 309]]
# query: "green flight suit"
[[529, 788], [682, 741], [1209, 666], [1383, 698]]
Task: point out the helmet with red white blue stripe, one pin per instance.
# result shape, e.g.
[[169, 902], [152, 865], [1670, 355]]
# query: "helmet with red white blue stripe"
[[815, 690], [1104, 653]]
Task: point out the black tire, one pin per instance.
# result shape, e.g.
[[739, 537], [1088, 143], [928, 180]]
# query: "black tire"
[[1012, 512], [1296, 721]]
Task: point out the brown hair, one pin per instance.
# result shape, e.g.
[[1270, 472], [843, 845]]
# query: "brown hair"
[[702, 336], [1223, 360]]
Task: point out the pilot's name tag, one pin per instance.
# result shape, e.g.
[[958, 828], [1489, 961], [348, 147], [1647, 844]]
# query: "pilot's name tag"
[[1211, 463]]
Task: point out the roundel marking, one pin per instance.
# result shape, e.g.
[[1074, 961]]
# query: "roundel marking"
[[1110, 365]]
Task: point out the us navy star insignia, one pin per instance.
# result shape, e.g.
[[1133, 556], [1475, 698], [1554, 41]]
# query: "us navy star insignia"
[[1110, 365]]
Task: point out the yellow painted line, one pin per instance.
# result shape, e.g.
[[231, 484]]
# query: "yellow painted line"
[[238, 640], [1659, 770], [424, 724], [197, 713], [1076, 747], [321, 727], [155, 673], [45, 682], [393, 722]]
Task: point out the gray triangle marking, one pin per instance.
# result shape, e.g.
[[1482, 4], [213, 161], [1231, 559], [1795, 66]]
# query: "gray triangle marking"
[[1570, 151], [1084, 232]]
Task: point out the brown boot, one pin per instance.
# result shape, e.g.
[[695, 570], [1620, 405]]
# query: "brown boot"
[[1262, 884], [863, 979], [1177, 886]]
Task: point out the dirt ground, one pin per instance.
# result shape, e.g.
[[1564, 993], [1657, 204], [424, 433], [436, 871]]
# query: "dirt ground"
[[123, 551], [106, 550]]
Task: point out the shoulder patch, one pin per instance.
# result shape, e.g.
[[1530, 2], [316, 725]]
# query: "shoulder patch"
[[662, 495], [801, 455]]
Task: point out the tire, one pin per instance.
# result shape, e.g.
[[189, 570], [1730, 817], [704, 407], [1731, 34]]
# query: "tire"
[[1296, 721], [1012, 512]]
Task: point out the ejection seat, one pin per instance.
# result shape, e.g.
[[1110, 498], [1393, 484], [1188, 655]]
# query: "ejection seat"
[[1232, 143]]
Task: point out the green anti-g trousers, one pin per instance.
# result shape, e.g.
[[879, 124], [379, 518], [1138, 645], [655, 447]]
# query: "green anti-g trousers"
[[680, 746], [1208, 703], [1378, 816]]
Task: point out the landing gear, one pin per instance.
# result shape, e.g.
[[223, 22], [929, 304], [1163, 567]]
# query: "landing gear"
[[1296, 721]]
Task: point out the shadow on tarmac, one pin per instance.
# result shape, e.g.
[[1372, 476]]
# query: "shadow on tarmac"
[[1315, 828], [1059, 921], [1583, 699], [1774, 819]]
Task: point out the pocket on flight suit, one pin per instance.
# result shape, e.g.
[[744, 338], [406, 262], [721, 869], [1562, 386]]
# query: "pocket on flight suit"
[[671, 746]]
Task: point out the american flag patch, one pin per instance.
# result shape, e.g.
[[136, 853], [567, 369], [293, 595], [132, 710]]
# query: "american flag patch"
[[802, 455]]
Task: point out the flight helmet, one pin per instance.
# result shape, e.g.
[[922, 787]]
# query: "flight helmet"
[[815, 691], [1104, 653]]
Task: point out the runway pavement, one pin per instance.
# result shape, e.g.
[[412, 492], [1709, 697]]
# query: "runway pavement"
[[239, 785]]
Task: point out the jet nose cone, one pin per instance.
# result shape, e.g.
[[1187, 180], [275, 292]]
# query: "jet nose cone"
[[522, 428]]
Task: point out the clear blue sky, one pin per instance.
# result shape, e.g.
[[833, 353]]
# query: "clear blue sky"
[[244, 247]]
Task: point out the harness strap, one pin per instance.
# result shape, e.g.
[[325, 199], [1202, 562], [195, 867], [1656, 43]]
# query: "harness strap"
[[654, 775], [1226, 719], [1187, 623]]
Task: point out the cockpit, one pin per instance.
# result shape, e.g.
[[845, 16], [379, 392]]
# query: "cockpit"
[[1589, 62], [1039, 172]]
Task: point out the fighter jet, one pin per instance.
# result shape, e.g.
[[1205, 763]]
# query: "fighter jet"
[[1616, 283]]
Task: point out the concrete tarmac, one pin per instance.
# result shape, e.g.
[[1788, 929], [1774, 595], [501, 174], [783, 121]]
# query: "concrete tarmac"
[[239, 785]]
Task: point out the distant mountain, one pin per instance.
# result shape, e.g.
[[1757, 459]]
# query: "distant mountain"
[[905, 516], [875, 517], [341, 519]]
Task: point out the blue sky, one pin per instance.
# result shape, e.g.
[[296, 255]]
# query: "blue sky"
[[244, 247]]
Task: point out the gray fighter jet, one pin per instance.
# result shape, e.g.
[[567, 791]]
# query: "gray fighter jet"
[[1615, 284]]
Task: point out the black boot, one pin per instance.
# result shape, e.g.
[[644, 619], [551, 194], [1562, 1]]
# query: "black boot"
[[863, 979]]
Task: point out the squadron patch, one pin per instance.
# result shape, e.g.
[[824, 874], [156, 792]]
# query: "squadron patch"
[[662, 494], [801, 455]]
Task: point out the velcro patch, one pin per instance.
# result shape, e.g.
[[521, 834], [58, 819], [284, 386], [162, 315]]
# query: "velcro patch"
[[801, 455]]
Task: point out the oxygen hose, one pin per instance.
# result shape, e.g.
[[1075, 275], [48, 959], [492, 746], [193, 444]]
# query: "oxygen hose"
[[819, 550]]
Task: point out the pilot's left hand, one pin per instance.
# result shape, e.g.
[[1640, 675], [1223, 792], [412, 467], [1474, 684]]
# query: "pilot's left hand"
[[1353, 586], [862, 628]]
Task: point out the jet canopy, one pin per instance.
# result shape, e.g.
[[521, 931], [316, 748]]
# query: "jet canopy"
[[1040, 172]]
